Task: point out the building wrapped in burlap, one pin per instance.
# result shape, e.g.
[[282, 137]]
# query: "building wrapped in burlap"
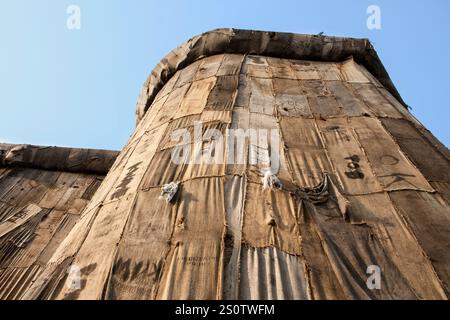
[[361, 184]]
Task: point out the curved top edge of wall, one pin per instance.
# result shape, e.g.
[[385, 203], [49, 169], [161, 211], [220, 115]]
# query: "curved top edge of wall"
[[75, 160], [265, 43]]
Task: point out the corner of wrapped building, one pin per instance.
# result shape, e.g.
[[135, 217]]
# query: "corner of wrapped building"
[[361, 183]]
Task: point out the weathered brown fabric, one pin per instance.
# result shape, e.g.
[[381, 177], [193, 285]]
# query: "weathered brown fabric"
[[271, 44], [43, 191], [355, 191]]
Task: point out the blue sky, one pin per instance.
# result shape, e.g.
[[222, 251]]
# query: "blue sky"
[[79, 87]]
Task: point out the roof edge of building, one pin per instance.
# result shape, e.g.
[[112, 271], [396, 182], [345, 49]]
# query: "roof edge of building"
[[272, 44], [76, 160]]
